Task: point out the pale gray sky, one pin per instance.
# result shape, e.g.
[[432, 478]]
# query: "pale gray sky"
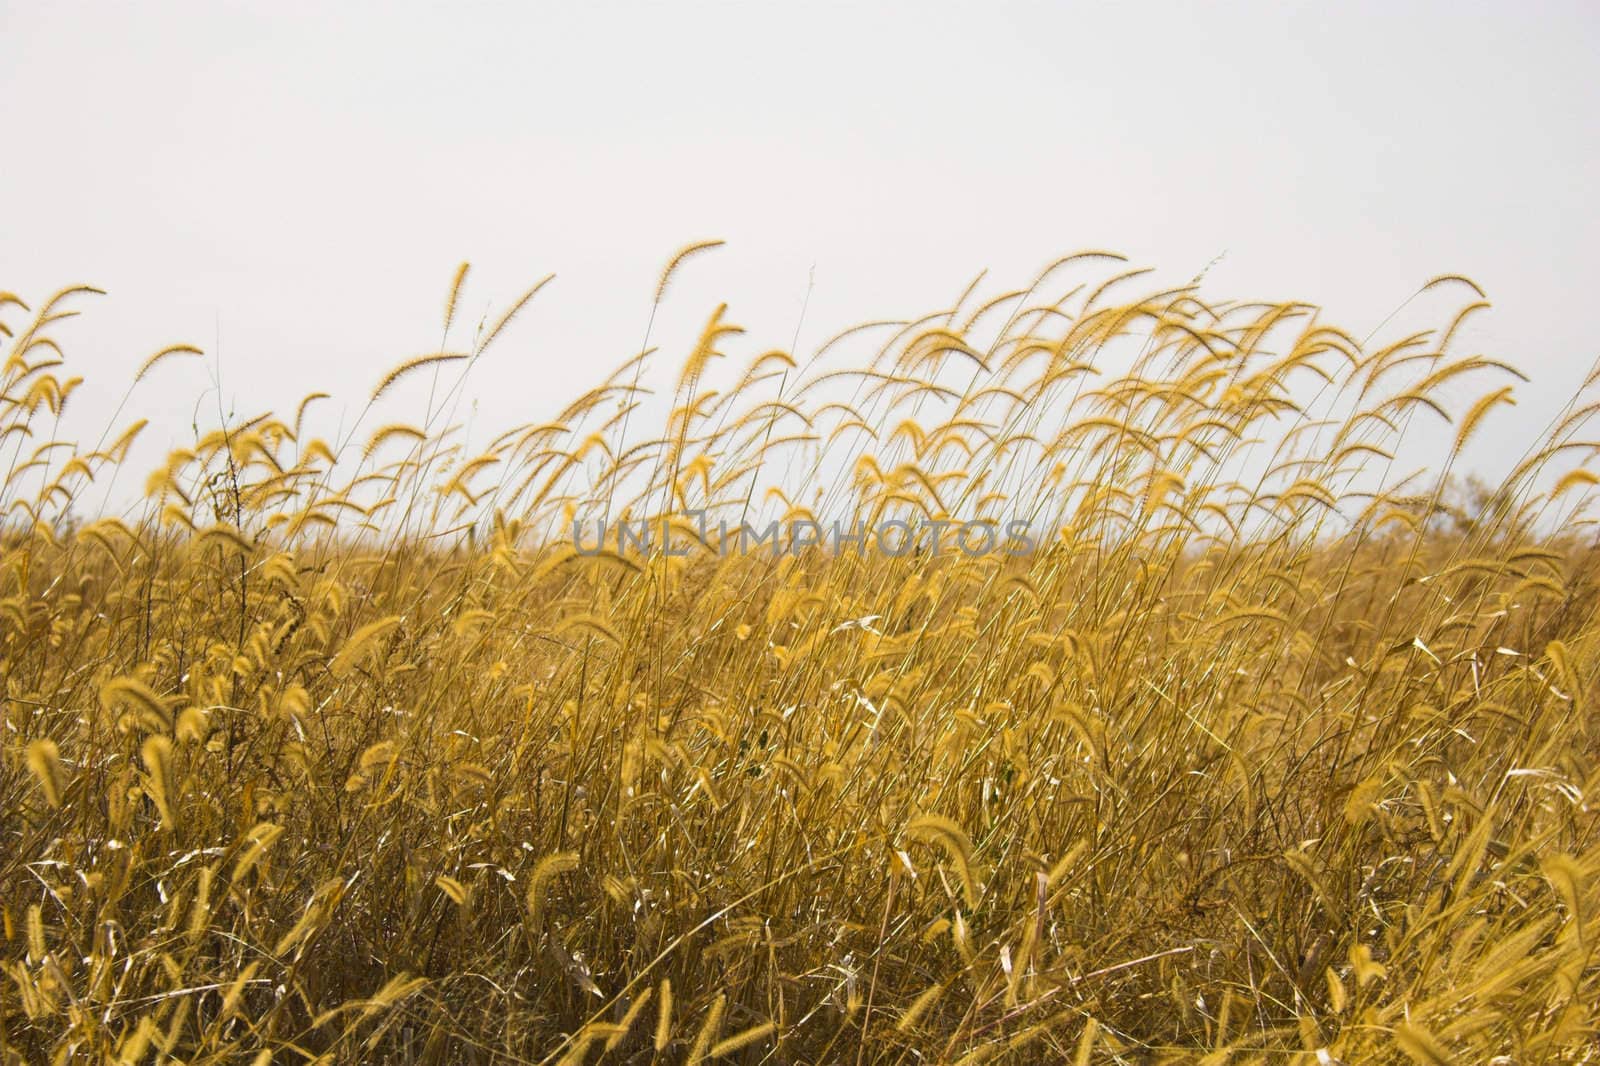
[[311, 174]]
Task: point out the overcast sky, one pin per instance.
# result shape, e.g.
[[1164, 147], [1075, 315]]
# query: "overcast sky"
[[308, 176]]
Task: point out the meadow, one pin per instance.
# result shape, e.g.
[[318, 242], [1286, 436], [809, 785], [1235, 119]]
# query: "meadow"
[[336, 749]]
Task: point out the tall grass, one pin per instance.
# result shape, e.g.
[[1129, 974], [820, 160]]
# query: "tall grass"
[[1272, 750]]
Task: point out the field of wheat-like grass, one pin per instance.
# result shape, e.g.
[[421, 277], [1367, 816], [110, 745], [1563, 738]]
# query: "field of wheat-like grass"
[[1262, 747]]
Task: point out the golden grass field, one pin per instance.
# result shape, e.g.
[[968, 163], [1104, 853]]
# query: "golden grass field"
[[1274, 750]]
